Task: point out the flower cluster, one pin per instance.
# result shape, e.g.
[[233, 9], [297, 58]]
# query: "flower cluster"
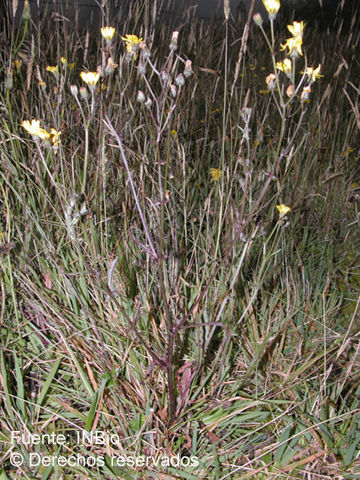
[[36, 131], [293, 45]]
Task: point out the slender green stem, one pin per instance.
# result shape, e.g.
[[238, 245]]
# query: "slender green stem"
[[222, 190]]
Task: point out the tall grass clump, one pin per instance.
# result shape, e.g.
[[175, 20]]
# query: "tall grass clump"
[[179, 262]]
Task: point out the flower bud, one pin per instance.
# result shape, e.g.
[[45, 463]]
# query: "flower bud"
[[290, 91], [271, 81], [174, 41], [188, 70], [83, 93], [173, 91], [74, 90], [258, 19], [148, 102], [164, 76], [180, 80], [9, 81], [26, 15], [140, 97], [305, 93], [141, 68]]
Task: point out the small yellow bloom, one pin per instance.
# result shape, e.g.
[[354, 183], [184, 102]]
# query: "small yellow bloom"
[[296, 28], [54, 134], [173, 133], [294, 46], [17, 64], [107, 33], [312, 73], [283, 209], [63, 61], [132, 43], [34, 129], [272, 7], [53, 70], [216, 174], [285, 66], [348, 151], [42, 85], [90, 78]]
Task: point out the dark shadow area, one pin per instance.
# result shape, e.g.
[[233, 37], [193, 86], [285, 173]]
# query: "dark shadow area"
[[328, 14]]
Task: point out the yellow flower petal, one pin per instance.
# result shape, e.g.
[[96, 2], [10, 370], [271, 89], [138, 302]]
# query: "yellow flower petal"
[[283, 209], [132, 42], [55, 136], [296, 28], [272, 6], [216, 174], [294, 45], [285, 66], [313, 73], [34, 129], [107, 33], [53, 70], [90, 78]]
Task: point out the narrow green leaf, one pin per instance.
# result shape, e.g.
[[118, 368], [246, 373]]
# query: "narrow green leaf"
[[20, 387], [94, 404], [8, 402], [46, 386]]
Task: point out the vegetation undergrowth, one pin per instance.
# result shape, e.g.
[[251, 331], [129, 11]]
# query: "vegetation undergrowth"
[[179, 262]]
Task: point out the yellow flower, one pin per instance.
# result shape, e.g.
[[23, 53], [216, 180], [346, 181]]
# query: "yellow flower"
[[42, 85], [296, 28], [312, 73], [53, 70], [283, 209], [272, 7], [348, 151], [294, 45], [284, 66], [132, 42], [215, 174], [173, 133], [63, 61], [90, 78], [55, 136], [17, 64], [108, 33], [34, 129]]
